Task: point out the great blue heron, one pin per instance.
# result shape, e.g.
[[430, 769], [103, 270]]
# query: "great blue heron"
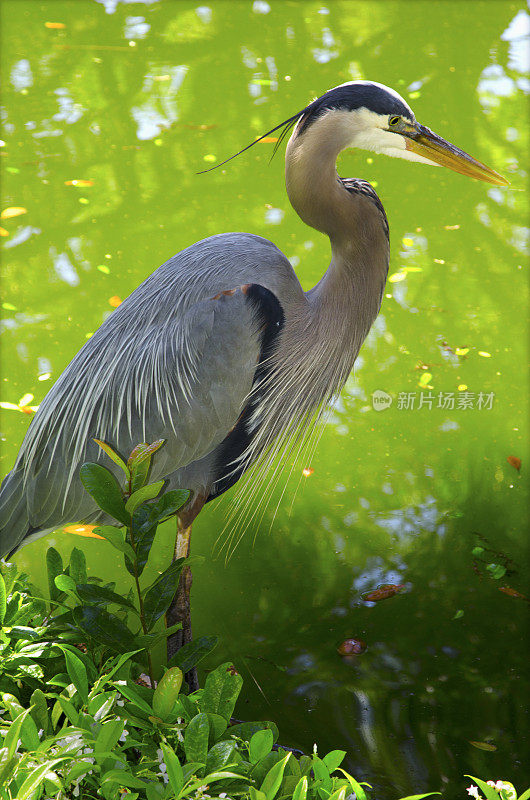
[[219, 351]]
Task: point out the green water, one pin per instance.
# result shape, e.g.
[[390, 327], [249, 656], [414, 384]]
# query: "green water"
[[136, 98]]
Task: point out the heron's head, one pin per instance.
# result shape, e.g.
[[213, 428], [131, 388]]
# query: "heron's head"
[[370, 116]]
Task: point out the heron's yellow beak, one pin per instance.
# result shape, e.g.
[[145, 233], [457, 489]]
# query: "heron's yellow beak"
[[428, 144]]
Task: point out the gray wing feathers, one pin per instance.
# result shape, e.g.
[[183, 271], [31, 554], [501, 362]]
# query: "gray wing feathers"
[[170, 362]]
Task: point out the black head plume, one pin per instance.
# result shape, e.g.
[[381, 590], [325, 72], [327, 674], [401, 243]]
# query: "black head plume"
[[347, 97]]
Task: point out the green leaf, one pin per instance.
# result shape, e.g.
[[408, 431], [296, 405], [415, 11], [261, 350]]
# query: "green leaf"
[[68, 709], [3, 600], [151, 514], [143, 452], [113, 455], [221, 691], [196, 739], [123, 778], [174, 769], [28, 729], [525, 795], [77, 672], [120, 662], [77, 568], [300, 792], [497, 572], [108, 735], [168, 504], [158, 597], [334, 759], [218, 726], [117, 539], [142, 534], [65, 584], [489, 792], [321, 772], [134, 697], [167, 692], [189, 655], [211, 778], [244, 730], [13, 733], [34, 779], [9, 573], [39, 710], [429, 794], [92, 593], [260, 745], [54, 565], [255, 794], [139, 462], [357, 788], [105, 628], [103, 487], [142, 495], [340, 794], [155, 791], [273, 778], [100, 704], [219, 756], [140, 474]]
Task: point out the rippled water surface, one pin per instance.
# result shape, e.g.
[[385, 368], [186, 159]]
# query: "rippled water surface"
[[130, 100]]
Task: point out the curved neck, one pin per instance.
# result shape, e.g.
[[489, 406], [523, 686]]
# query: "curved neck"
[[311, 179], [350, 292]]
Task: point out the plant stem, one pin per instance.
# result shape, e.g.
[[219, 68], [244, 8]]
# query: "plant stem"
[[144, 627], [142, 615]]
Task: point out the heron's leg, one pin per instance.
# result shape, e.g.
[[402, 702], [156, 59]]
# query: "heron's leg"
[[180, 609]]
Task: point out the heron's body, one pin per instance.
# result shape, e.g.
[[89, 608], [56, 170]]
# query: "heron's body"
[[219, 351]]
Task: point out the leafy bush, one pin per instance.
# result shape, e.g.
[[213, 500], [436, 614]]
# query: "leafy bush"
[[73, 725]]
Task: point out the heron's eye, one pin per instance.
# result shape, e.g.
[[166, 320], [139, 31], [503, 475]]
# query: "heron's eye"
[[393, 121]]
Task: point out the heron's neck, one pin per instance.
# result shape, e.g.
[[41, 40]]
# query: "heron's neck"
[[349, 294]]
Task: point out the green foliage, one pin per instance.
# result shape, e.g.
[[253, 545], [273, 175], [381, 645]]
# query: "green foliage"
[[76, 720]]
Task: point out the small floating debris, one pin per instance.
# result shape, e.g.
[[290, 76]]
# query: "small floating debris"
[[512, 592], [384, 591], [23, 405], [13, 211], [515, 462], [307, 471], [484, 746], [396, 277], [82, 530], [80, 182], [351, 647], [115, 301]]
